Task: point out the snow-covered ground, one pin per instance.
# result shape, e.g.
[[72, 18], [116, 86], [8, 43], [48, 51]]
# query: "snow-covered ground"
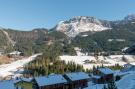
[[92, 61], [12, 68], [127, 82]]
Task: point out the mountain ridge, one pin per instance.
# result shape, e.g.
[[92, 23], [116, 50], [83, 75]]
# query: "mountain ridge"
[[79, 24], [36, 39]]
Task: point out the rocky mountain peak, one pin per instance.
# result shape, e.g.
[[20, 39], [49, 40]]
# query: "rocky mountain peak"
[[80, 24]]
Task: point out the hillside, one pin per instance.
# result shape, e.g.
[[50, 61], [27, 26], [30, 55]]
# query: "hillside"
[[88, 33], [109, 40], [3, 40], [29, 42]]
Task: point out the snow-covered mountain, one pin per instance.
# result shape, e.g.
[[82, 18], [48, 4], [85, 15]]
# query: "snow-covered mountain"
[[80, 24], [130, 17]]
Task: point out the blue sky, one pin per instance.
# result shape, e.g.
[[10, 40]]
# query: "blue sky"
[[29, 14]]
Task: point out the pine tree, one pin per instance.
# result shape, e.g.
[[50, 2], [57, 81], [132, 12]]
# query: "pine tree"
[[112, 85], [104, 87]]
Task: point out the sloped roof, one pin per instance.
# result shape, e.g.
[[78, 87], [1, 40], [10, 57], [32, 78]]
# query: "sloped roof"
[[27, 79], [96, 76], [23, 79], [50, 80], [8, 84], [77, 76], [106, 70], [15, 53]]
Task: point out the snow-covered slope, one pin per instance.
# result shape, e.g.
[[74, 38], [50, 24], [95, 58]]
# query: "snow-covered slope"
[[80, 24], [12, 68]]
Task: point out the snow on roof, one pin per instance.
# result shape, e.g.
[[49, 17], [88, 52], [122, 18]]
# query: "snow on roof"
[[23, 80], [15, 53], [106, 70], [50, 80], [27, 79], [97, 77], [8, 84], [77, 76]]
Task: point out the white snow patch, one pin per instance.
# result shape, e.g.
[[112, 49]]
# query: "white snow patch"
[[10, 69]]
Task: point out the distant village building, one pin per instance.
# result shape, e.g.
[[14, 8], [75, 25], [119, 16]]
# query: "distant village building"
[[78, 80], [102, 75], [50, 82], [16, 53]]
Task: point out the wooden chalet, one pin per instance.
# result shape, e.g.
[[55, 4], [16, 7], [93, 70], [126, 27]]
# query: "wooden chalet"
[[78, 80], [50, 82], [102, 75]]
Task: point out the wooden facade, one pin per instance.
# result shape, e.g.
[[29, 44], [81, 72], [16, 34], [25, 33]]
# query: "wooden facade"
[[53, 86], [76, 84], [101, 77], [80, 84]]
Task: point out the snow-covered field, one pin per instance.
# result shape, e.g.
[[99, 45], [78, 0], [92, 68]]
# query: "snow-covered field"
[[12, 68], [106, 61]]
